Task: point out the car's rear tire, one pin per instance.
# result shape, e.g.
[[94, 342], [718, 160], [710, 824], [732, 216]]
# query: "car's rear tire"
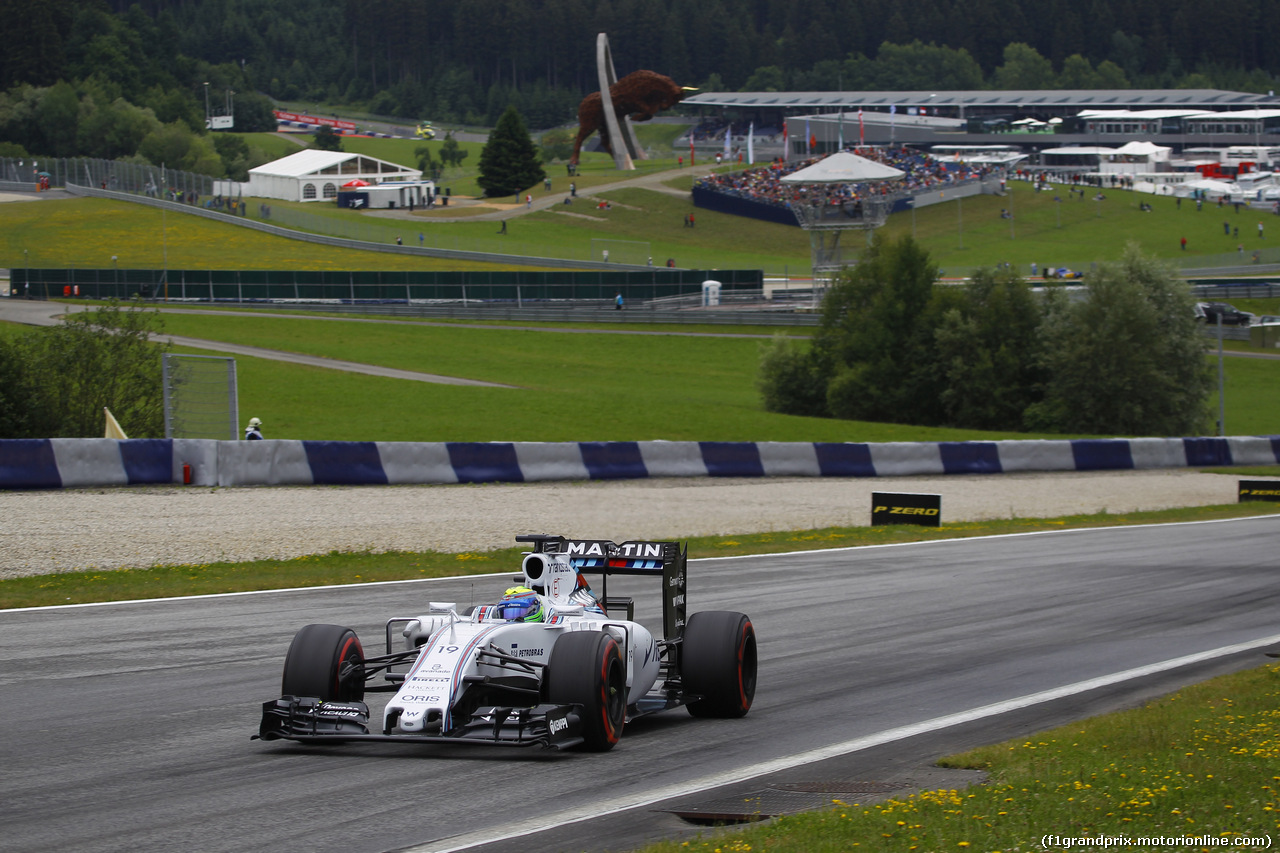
[[586, 669], [325, 662], [718, 663]]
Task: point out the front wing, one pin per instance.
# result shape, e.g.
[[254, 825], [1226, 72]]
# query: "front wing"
[[310, 720]]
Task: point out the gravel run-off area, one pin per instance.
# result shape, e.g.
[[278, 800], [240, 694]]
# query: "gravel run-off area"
[[52, 531]]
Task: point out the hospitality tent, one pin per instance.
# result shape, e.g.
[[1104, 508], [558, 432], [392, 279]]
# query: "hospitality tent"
[[843, 168], [1209, 189], [315, 175], [1144, 149]]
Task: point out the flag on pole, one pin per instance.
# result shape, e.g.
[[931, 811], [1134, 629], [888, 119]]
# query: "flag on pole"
[[751, 144], [727, 131], [808, 138], [691, 149], [860, 127], [786, 152], [840, 134], [113, 426]]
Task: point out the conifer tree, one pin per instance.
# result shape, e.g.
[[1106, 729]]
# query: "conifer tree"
[[509, 162]]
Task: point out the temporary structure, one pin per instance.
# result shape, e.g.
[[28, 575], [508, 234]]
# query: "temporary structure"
[[837, 194], [316, 175]]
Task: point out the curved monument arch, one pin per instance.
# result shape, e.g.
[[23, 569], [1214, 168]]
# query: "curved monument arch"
[[637, 97], [630, 148]]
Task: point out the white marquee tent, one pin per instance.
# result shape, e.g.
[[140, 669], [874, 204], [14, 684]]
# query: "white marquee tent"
[[843, 167], [315, 175]]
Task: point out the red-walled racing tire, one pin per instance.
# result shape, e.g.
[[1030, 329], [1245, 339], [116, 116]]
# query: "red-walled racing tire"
[[718, 663], [586, 669], [325, 662]]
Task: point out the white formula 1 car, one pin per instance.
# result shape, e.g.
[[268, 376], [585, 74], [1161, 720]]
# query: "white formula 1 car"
[[549, 665]]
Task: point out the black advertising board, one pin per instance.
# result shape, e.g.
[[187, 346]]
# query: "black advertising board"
[[906, 508], [1259, 490]]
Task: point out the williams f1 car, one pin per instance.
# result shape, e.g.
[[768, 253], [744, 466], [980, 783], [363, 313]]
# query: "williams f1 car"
[[551, 664]]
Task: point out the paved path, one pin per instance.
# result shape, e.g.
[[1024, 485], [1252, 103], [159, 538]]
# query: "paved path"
[[34, 313], [551, 201]]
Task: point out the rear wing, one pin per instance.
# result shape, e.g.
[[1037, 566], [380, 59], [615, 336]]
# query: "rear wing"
[[667, 560]]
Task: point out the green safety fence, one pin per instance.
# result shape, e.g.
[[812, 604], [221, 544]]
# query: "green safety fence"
[[373, 285]]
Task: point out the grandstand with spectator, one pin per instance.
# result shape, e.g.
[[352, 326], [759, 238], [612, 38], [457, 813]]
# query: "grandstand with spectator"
[[761, 192]]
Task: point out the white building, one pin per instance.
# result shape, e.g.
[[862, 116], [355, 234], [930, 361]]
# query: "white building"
[[1133, 158], [315, 175]]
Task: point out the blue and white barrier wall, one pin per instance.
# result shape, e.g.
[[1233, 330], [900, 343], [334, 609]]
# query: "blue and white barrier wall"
[[75, 462]]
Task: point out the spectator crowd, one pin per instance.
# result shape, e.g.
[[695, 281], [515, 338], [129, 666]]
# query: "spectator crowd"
[[922, 173]]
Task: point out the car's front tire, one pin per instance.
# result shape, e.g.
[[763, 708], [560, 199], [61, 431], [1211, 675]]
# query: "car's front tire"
[[718, 663], [325, 662], [586, 669]]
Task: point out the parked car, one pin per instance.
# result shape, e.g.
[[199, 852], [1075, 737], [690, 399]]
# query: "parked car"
[[1209, 312]]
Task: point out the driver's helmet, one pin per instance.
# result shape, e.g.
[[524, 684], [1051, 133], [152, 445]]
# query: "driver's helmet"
[[520, 604]]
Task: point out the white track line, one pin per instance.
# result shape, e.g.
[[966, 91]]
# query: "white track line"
[[529, 824], [957, 540]]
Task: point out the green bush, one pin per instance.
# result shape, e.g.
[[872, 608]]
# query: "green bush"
[[790, 380], [1128, 359], [59, 379], [877, 330], [896, 347], [987, 346]]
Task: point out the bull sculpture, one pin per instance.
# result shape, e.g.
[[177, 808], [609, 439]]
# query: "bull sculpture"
[[640, 95]]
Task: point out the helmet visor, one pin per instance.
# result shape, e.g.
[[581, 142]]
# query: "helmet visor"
[[515, 609]]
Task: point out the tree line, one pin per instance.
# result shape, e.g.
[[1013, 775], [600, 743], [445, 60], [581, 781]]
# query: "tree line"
[[467, 62], [894, 346], [82, 81]]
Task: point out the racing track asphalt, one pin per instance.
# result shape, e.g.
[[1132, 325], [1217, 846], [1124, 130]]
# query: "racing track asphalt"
[[129, 723]]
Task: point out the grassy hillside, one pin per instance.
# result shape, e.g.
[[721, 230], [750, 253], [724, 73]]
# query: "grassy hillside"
[[87, 232], [1076, 231], [277, 145], [959, 235]]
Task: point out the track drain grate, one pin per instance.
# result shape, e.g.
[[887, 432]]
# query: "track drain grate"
[[841, 786], [782, 799]]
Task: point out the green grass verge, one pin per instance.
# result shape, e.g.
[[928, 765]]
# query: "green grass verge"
[[678, 329], [314, 403], [1074, 233], [959, 235], [1200, 763], [1258, 306], [278, 145], [637, 215], [1250, 408], [569, 386], [354, 568], [87, 232]]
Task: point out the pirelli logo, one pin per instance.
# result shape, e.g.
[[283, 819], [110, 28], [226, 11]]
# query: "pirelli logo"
[[906, 508], [1259, 490]]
